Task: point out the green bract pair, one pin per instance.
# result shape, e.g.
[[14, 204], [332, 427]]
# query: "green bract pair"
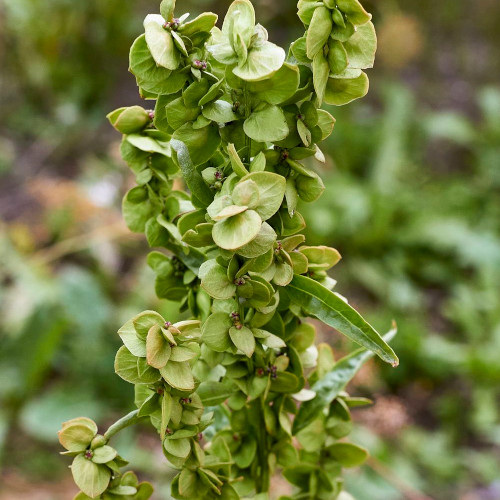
[[340, 42], [96, 465], [238, 391]]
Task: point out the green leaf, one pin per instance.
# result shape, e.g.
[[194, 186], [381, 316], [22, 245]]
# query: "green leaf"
[[150, 76], [319, 31], [178, 113], [215, 393], [246, 453], [321, 72], [148, 144], [166, 413], [178, 375], [283, 274], [160, 42], [104, 454], [246, 193], [215, 332], [354, 11], [137, 209], [237, 231], [285, 382], [193, 178], [261, 244], [240, 18], [332, 384], [325, 305], [220, 112], [238, 166], [361, 47], [180, 448], [144, 492], [215, 282], [309, 188], [326, 122], [337, 57], [312, 438], [91, 478], [262, 62], [304, 133], [123, 490], [271, 192], [202, 143], [145, 320], [181, 353], [280, 87], [75, 436], [347, 454], [167, 8], [204, 22], [243, 339], [157, 348], [126, 368], [340, 91], [268, 125], [303, 336]]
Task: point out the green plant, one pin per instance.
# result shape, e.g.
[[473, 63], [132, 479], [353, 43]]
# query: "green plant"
[[226, 388]]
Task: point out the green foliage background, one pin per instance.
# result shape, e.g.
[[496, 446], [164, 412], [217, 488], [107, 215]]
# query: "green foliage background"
[[412, 202]]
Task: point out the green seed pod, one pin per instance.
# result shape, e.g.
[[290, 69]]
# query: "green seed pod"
[[129, 120]]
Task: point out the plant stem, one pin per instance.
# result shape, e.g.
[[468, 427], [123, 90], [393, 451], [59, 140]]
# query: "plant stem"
[[263, 482], [124, 422], [248, 112]]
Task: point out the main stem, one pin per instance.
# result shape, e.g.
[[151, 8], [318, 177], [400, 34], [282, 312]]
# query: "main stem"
[[248, 112], [263, 480]]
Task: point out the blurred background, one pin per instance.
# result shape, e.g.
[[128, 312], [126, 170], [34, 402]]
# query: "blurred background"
[[413, 204]]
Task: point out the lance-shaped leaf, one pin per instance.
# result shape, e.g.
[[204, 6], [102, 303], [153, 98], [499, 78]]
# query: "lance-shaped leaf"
[[325, 305], [332, 384]]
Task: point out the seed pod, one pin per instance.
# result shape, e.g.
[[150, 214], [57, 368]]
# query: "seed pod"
[[129, 120]]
